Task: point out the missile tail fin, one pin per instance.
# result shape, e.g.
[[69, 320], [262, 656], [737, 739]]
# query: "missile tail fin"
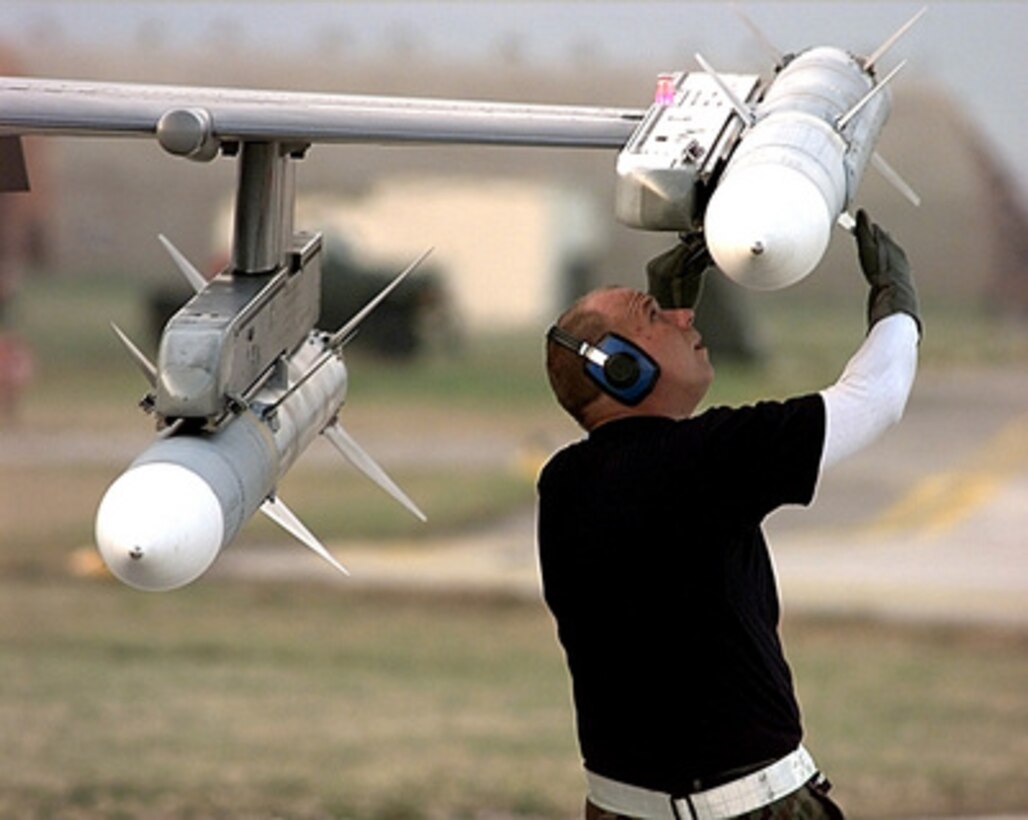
[[740, 107], [356, 455], [145, 366], [776, 53], [196, 279], [877, 54], [877, 89], [278, 512], [894, 178]]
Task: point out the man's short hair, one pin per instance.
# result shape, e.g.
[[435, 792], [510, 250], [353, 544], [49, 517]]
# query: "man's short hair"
[[565, 369]]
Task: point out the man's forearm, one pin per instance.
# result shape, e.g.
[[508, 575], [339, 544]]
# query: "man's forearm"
[[872, 391]]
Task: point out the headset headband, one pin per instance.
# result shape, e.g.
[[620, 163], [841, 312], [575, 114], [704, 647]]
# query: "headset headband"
[[577, 346]]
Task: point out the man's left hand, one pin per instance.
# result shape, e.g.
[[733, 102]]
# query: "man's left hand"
[[676, 276]]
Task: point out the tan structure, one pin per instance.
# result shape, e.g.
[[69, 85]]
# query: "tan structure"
[[506, 248]]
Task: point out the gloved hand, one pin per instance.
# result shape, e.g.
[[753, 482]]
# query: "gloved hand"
[[676, 276], [887, 271]]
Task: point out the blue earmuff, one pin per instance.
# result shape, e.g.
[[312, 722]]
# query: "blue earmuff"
[[620, 368]]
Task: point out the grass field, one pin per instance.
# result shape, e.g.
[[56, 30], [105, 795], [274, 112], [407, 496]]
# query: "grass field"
[[300, 701], [229, 700]]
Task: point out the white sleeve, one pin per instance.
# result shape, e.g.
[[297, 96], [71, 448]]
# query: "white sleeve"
[[872, 391]]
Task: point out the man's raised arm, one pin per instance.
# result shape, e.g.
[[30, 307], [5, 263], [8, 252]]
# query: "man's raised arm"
[[872, 391]]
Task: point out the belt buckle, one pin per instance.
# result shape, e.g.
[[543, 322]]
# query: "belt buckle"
[[750, 792]]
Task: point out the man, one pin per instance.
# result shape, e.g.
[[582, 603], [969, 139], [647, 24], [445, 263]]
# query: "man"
[[652, 555]]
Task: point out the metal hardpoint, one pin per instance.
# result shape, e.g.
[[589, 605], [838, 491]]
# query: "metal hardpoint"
[[225, 343], [679, 146]]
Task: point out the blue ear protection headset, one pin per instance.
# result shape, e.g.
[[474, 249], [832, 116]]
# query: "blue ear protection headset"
[[620, 368]]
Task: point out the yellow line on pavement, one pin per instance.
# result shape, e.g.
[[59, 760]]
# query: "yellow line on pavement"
[[940, 501]]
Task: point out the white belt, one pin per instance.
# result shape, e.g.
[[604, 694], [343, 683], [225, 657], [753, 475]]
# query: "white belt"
[[731, 799]]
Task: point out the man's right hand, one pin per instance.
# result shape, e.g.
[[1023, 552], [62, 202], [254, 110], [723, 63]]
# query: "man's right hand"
[[887, 271]]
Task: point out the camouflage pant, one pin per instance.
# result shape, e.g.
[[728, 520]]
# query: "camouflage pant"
[[808, 803]]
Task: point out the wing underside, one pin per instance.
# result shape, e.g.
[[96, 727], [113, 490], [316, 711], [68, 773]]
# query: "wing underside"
[[40, 106]]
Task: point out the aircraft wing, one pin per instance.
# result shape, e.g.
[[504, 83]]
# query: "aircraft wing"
[[44, 106]]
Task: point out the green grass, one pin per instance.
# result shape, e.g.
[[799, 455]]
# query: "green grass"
[[341, 503], [228, 700], [915, 720]]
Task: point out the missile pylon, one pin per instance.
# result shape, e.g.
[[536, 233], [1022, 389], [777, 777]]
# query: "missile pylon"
[[163, 522], [798, 164]]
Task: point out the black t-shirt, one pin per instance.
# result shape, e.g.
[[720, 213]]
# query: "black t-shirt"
[[657, 573]]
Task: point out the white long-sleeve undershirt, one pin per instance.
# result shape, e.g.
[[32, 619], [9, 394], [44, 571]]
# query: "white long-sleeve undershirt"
[[872, 391]]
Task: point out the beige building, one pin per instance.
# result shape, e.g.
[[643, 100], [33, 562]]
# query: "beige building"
[[506, 248]]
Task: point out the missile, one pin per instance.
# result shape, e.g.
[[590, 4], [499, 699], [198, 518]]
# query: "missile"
[[163, 522], [765, 171], [796, 169], [798, 164]]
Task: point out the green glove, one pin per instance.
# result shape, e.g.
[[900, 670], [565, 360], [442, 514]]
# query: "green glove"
[[676, 276], [887, 271]]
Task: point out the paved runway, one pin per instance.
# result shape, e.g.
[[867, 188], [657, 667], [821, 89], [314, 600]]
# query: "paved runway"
[[932, 521]]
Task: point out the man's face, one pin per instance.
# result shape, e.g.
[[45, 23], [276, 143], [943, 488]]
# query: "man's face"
[[670, 338]]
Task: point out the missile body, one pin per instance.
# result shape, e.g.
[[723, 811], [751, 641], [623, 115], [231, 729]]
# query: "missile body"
[[163, 522], [795, 169]]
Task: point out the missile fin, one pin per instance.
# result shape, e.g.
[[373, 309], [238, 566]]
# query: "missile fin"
[[844, 120], [172, 428], [877, 54], [278, 512], [894, 178], [356, 455], [341, 336], [776, 54], [145, 366], [740, 107], [196, 279], [347, 331]]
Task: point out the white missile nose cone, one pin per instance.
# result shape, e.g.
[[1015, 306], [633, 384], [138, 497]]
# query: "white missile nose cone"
[[159, 526], [767, 226]]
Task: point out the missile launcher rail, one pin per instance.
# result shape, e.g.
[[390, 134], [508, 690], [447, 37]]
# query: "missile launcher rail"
[[225, 341], [680, 145]]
